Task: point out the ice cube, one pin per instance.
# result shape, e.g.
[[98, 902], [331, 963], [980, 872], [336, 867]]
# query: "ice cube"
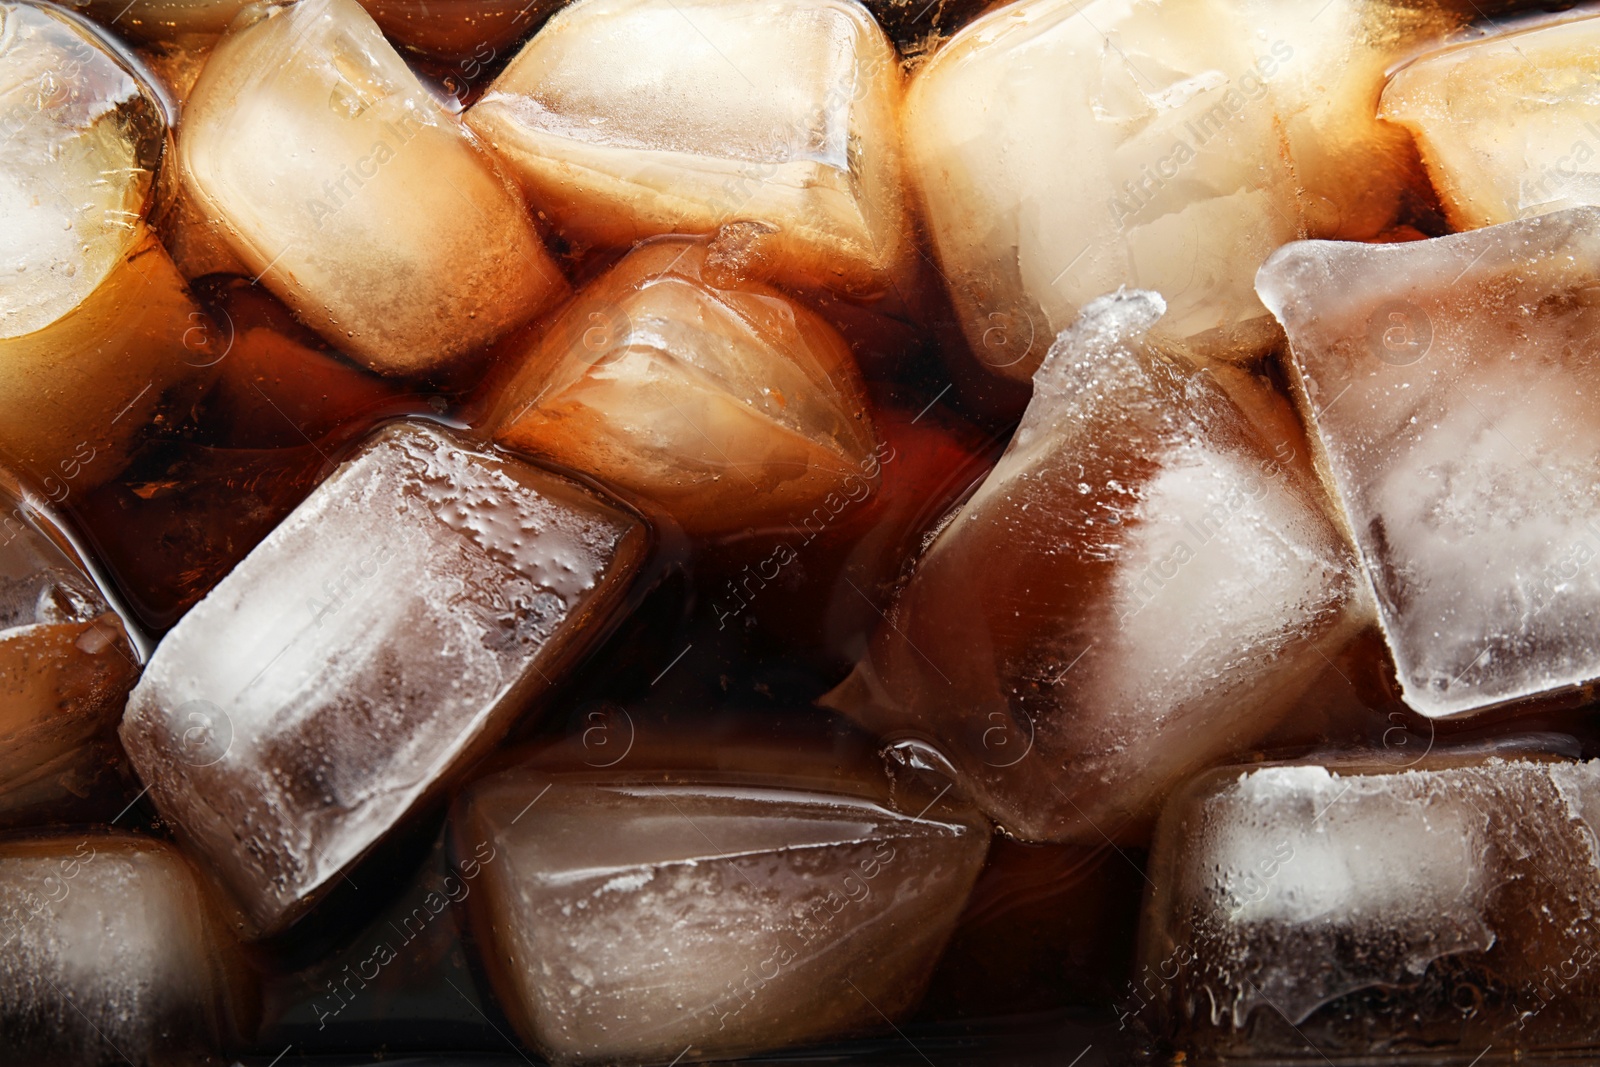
[[347, 188], [1506, 125], [633, 919], [66, 663], [197, 244], [724, 401], [381, 637], [1139, 587], [1365, 908], [707, 112], [1064, 149], [1359, 176], [1447, 383], [110, 953], [95, 324]]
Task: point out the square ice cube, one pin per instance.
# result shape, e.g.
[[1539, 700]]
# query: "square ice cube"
[[376, 641]]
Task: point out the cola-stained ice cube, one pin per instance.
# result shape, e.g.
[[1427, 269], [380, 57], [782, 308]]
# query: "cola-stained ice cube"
[[1357, 175], [705, 112], [1372, 908], [630, 919], [723, 400], [1055, 166], [197, 243], [1064, 149], [344, 184], [1506, 125], [1449, 384], [381, 637], [66, 663], [1140, 586], [110, 953], [94, 320]]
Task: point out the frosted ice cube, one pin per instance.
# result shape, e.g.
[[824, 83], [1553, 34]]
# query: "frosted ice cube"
[[95, 324], [376, 641], [1358, 175], [1369, 908], [1140, 586], [626, 919], [1448, 384], [341, 181], [109, 953], [1506, 125], [66, 663], [1064, 149], [711, 111], [726, 402]]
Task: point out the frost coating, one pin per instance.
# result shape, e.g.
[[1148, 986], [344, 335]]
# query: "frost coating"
[[1064, 149], [376, 638], [1450, 384], [1141, 584], [104, 942], [1392, 896], [93, 315], [631, 919]]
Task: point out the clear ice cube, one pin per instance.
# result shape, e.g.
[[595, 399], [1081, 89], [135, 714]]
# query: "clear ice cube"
[[1506, 125], [95, 323], [1365, 908], [1141, 586], [110, 953], [724, 401], [1448, 385], [66, 663], [634, 919], [707, 112], [341, 182], [379, 639], [1064, 149]]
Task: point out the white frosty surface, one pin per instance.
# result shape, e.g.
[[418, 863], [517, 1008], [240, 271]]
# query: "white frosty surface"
[[634, 919], [1452, 385], [390, 623], [73, 174], [1141, 584], [1286, 887], [104, 957]]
